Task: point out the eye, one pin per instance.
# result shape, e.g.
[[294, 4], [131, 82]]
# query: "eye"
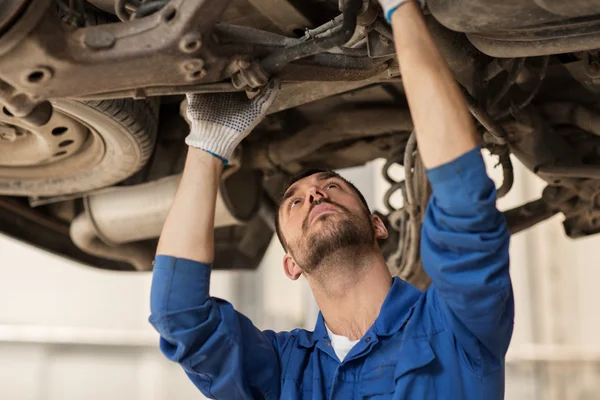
[[294, 202], [331, 185]]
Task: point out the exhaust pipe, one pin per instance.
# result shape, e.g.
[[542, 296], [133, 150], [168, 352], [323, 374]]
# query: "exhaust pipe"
[[117, 218]]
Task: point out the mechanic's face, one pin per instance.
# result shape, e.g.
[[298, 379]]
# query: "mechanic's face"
[[321, 216]]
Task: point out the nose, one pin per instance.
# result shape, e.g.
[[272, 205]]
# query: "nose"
[[315, 193]]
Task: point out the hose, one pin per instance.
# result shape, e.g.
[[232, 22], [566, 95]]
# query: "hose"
[[143, 10], [516, 108], [485, 119], [508, 175], [279, 58], [508, 84], [411, 205], [408, 220], [121, 11], [148, 8]]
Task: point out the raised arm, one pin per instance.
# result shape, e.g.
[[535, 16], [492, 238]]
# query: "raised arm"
[[222, 352], [219, 122], [465, 240], [442, 121], [189, 229]]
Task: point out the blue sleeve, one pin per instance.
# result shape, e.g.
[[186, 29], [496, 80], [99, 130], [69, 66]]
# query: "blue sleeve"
[[221, 351], [464, 248]]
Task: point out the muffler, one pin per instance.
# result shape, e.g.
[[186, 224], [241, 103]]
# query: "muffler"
[[115, 219]]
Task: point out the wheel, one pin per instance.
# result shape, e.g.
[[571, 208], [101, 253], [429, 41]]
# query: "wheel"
[[84, 146]]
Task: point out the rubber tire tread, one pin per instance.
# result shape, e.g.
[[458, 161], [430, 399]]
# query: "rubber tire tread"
[[140, 117]]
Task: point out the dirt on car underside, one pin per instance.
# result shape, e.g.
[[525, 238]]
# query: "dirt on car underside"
[[92, 94]]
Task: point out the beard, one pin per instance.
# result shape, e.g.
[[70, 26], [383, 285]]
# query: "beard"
[[338, 242]]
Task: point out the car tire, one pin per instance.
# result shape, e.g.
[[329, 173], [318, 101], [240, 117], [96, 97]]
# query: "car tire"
[[122, 134]]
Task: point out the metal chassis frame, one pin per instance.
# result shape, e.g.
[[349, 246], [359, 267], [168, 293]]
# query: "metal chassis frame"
[[176, 50]]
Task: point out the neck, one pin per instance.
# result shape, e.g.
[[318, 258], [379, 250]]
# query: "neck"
[[351, 295]]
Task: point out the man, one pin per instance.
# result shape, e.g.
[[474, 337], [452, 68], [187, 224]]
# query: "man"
[[376, 337]]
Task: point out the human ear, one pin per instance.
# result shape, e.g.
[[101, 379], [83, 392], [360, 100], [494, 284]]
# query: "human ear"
[[381, 231], [291, 268]]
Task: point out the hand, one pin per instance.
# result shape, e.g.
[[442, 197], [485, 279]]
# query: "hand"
[[220, 121], [389, 6]]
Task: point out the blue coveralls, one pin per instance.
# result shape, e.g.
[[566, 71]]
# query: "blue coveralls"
[[448, 342]]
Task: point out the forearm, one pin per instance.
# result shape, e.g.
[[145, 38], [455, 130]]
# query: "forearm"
[[189, 229], [442, 121]]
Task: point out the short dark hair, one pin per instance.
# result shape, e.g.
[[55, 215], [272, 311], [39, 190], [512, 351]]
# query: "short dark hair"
[[303, 175]]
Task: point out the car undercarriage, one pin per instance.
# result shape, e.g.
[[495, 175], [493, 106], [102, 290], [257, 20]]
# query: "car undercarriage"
[[92, 128]]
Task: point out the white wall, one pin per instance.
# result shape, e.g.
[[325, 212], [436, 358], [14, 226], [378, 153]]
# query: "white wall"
[[69, 332]]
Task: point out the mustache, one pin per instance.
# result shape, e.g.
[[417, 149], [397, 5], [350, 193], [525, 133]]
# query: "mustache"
[[318, 202]]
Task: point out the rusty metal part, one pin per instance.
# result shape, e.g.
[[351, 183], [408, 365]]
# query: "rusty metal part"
[[575, 186], [61, 137], [563, 112], [99, 40], [536, 144], [336, 67], [365, 18], [249, 76], [235, 39], [126, 60], [513, 74], [534, 92], [496, 130], [295, 94], [379, 45], [139, 53], [339, 36], [141, 93], [579, 201], [552, 172], [344, 125], [283, 14], [527, 215]]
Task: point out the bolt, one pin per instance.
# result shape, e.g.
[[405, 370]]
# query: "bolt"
[[190, 43], [99, 39], [196, 75], [192, 65]]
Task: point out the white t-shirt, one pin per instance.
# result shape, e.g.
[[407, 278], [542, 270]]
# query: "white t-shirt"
[[341, 344]]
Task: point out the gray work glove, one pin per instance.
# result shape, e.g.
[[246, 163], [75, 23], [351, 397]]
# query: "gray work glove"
[[220, 121], [389, 6]]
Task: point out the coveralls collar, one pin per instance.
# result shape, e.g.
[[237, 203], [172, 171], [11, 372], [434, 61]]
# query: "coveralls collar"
[[394, 313]]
